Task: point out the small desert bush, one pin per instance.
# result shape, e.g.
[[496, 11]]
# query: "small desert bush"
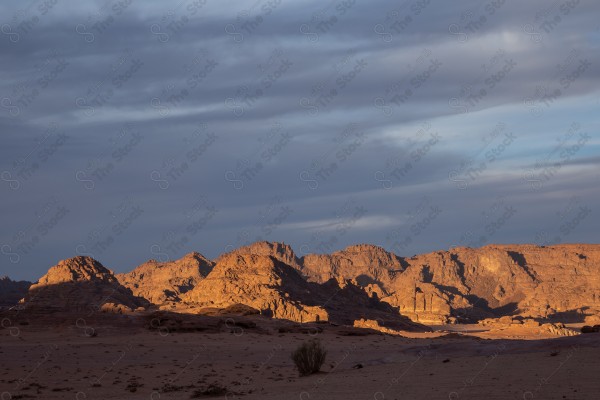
[[309, 357]]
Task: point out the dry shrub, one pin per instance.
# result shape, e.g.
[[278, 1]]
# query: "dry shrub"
[[309, 357]]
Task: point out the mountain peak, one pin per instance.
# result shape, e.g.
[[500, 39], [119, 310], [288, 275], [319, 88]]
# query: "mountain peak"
[[77, 269], [364, 247], [280, 251], [433, 287], [161, 282], [81, 284]]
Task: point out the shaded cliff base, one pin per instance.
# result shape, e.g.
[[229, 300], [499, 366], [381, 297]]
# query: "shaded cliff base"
[[242, 318]]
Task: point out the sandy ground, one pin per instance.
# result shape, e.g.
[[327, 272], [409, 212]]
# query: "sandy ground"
[[133, 363]]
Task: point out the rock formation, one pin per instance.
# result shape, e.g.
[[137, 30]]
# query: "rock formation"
[[279, 251], [561, 281], [12, 291], [259, 276], [362, 284], [404, 283], [167, 281], [259, 281], [80, 284]]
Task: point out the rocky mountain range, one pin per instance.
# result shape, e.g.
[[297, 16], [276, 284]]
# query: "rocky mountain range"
[[561, 281], [360, 283]]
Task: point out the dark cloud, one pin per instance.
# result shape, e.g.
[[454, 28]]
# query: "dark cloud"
[[147, 130]]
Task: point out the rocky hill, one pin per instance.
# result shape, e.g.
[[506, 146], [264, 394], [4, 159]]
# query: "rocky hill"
[[279, 251], [362, 284], [12, 291], [260, 276], [167, 281], [561, 281], [260, 281], [80, 284]]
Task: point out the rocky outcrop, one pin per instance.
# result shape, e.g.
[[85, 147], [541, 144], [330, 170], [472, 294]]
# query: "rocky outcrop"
[[551, 284], [80, 284], [377, 325], [561, 281], [265, 282], [279, 251], [12, 291], [558, 329], [259, 281], [407, 284], [167, 281]]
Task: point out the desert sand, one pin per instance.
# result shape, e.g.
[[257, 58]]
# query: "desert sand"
[[90, 359]]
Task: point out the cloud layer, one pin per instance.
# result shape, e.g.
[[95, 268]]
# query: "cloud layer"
[[135, 130]]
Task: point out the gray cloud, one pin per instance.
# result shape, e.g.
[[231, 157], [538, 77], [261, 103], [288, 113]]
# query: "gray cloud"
[[163, 129]]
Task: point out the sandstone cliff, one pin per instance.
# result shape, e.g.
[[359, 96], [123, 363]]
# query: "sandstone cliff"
[[279, 251], [558, 283], [259, 281], [80, 284], [561, 281], [257, 276], [166, 282]]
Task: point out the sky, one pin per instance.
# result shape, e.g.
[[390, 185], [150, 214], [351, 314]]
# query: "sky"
[[135, 130]]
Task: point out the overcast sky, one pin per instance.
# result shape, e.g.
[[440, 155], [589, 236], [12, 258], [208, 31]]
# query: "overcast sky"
[[134, 130]]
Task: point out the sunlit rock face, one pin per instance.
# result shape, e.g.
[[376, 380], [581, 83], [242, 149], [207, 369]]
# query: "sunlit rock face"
[[361, 282], [469, 283], [81, 284], [260, 281], [161, 282]]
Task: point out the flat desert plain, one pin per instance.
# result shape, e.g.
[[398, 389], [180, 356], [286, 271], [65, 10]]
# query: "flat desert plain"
[[79, 361]]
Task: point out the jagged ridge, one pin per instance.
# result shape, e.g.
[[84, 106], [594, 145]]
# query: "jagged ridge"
[[161, 282], [366, 281], [82, 285]]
